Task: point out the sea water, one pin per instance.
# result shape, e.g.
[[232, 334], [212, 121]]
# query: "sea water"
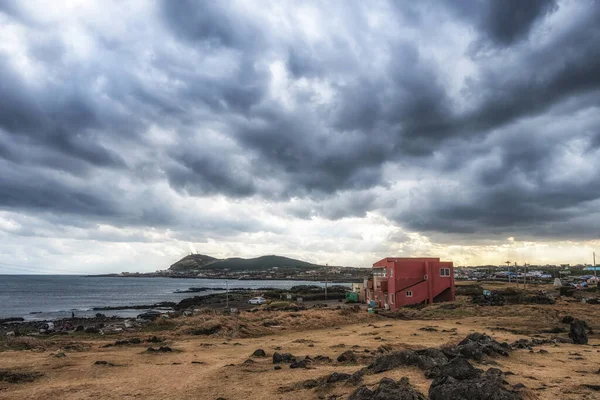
[[40, 297]]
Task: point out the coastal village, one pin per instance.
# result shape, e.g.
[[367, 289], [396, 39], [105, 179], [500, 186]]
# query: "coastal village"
[[312, 272]]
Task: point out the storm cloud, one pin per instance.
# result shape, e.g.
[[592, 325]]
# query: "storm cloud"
[[225, 120]]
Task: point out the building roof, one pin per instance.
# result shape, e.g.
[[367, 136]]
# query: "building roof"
[[394, 259]]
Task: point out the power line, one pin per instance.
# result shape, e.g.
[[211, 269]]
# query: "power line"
[[37, 269], [33, 268]]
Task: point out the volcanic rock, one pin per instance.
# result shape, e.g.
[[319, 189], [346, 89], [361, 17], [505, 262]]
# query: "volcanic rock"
[[347, 356], [283, 358], [578, 332], [388, 389]]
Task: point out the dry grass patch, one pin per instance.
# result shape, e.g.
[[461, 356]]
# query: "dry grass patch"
[[23, 343], [261, 323]]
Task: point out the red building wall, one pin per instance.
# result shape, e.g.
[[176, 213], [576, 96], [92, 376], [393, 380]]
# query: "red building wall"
[[420, 276]]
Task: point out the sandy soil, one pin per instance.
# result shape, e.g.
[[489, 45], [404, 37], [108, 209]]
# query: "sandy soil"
[[221, 371]]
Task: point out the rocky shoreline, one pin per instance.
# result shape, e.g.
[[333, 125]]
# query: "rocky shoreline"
[[236, 298]]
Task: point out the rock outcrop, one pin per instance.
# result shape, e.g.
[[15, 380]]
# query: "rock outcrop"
[[578, 332], [460, 381], [388, 389]]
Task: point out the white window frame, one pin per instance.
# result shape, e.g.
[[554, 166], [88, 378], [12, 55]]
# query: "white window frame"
[[445, 272], [391, 298], [409, 293], [391, 272]]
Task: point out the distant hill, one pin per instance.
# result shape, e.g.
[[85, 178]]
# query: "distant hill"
[[201, 261]]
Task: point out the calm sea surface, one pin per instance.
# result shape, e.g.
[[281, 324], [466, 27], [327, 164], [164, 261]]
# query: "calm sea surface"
[[38, 297]]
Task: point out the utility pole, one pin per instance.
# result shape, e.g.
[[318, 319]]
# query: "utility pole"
[[508, 268], [326, 276], [595, 273], [525, 277], [227, 293]]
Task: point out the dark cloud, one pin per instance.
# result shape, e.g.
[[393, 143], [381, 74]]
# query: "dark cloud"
[[199, 175], [330, 105], [59, 118], [27, 189], [523, 185], [502, 23], [507, 21], [11, 8], [213, 23]]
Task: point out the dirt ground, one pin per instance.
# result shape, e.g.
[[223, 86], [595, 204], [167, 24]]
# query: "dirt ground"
[[211, 366]]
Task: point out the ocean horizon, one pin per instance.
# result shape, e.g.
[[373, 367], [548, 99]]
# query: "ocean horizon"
[[45, 297]]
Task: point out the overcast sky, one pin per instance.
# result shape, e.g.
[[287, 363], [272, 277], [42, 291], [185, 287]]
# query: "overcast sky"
[[340, 132]]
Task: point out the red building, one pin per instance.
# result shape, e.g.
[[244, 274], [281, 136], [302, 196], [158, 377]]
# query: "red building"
[[401, 281]]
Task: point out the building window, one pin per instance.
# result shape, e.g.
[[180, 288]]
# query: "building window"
[[391, 298], [379, 272], [409, 293], [445, 272]]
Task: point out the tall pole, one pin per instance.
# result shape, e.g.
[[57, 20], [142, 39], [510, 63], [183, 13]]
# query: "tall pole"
[[227, 293], [516, 276], [326, 276], [595, 274], [508, 270]]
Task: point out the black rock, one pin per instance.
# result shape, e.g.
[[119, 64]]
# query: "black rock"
[[259, 353], [161, 349], [12, 319], [310, 384], [283, 358], [567, 291], [356, 378], [347, 356], [488, 386], [578, 332], [109, 364], [424, 359], [337, 377], [476, 345], [388, 389], [458, 368], [299, 364]]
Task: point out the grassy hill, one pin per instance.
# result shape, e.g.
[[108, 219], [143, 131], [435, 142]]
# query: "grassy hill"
[[193, 261], [201, 261]]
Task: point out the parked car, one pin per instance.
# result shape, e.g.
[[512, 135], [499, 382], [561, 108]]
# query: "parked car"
[[257, 300], [47, 328], [152, 315]]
